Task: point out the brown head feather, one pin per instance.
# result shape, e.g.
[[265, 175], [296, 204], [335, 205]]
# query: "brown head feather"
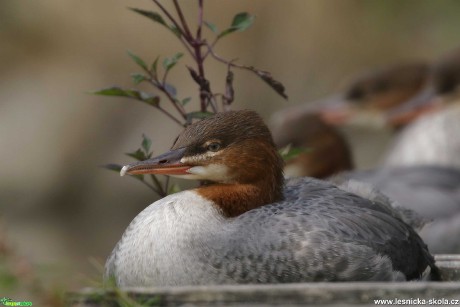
[[253, 163]]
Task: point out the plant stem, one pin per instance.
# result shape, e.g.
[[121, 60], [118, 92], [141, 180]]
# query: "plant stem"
[[196, 43], [182, 20], [210, 46], [183, 34], [213, 105], [200, 18], [167, 184], [199, 61], [170, 17], [179, 107], [151, 187], [170, 116], [156, 83], [222, 60], [194, 47], [200, 57], [157, 183]]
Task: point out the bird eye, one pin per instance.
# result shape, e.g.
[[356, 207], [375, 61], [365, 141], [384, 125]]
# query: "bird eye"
[[214, 146]]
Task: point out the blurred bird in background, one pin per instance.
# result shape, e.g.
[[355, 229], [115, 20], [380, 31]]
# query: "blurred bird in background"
[[421, 170]]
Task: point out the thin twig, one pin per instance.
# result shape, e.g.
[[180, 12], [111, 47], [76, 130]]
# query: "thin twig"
[[197, 44], [157, 182], [210, 47], [187, 47], [182, 20], [170, 116], [176, 24], [163, 80], [200, 19], [211, 102], [178, 106], [150, 186], [221, 59], [169, 16], [154, 81], [167, 184], [199, 62]]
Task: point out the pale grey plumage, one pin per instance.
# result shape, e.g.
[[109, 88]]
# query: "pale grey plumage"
[[431, 191], [318, 233]]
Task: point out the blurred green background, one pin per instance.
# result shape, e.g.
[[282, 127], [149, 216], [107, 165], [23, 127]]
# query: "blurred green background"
[[59, 209]]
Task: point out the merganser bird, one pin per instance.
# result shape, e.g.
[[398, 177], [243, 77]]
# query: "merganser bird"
[[364, 101], [432, 138], [430, 190], [372, 94], [426, 123], [245, 226], [326, 151], [421, 170]]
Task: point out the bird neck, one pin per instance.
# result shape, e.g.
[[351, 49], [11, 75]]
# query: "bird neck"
[[235, 199]]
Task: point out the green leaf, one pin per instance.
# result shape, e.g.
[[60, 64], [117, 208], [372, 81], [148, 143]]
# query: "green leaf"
[[185, 101], [113, 167], [175, 30], [225, 32], [174, 188], [241, 22], [289, 152], [149, 99], [153, 68], [138, 60], [111, 91], [151, 15], [153, 101], [138, 155], [118, 91], [211, 27], [138, 78], [146, 144], [157, 18], [169, 63]]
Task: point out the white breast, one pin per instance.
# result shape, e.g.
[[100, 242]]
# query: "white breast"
[[176, 225], [433, 139]]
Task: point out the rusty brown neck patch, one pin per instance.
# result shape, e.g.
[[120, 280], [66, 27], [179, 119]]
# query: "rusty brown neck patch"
[[235, 199]]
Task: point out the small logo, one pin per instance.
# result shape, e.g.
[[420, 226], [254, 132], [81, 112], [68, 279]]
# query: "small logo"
[[6, 301]]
